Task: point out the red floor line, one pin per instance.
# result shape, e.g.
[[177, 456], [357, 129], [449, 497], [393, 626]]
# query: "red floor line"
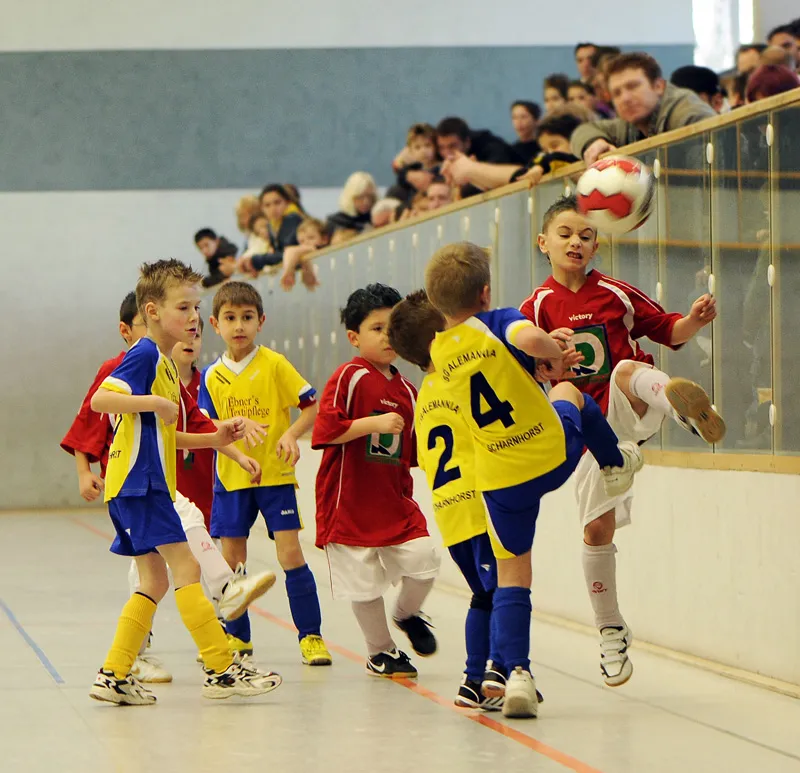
[[482, 719]]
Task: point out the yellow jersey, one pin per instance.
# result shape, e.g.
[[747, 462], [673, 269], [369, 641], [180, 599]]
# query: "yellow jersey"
[[142, 455], [264, 389], [445, 452], [517, 433]]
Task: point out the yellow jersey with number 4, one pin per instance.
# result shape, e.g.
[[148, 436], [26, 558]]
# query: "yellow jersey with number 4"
[[517, 434], [446, 454]]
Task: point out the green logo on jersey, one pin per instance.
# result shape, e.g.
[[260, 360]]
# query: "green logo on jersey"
[[592, 343], [384, 448]]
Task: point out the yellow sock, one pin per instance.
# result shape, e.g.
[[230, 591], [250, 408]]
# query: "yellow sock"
[[198, 616], [134, 624]]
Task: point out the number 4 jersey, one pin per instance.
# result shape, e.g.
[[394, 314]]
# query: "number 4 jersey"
[[517, 434], [364, 487], [607, 316]]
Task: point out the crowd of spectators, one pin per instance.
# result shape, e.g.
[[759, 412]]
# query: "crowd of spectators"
[[617, 98]]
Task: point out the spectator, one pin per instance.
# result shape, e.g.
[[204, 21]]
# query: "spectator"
[[645, 103], [343, 235], [784, 37], [583, 61], [439, 193], [355, 204], [312, 235], [416, 164], [220, 256], [258, 242], [556, 88], [525, 120], [454, 137], [580, 93], [769, 80], [294, 195], [602, 99], [737, 85], [383, 213], [703, 82], [748, 57], [246, 207], [777, 55]]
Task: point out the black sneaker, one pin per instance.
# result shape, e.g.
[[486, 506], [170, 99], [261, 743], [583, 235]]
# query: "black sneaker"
[[469, 697], [418, 630], [391, 665], [494, 682]]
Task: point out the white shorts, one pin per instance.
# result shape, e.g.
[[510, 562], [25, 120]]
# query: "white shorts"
[[364, 574], [592, 499]]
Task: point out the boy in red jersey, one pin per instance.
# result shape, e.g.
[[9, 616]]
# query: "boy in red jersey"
[[606, 316], [373, 532]]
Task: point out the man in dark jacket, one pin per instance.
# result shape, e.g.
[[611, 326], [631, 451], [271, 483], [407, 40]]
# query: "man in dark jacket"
[[645, 105]]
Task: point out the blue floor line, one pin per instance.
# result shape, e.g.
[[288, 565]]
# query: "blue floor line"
[[32, 644]]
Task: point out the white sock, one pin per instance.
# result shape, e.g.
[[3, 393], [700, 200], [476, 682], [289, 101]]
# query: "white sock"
[[600, 571], [213, 567], [648, 385], [412, 594], [371, 617]]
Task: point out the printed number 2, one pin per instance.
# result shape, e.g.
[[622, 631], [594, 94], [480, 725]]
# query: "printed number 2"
[[443, 476], [497, 410]]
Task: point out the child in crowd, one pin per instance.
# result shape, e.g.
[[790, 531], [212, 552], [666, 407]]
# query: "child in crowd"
[[553, 136], [220, 256], [260, 384], [372, 530], [524, 446], [312, 235], [258, 242], [416, 164], [246, 208], [636, 397], [556, 87]]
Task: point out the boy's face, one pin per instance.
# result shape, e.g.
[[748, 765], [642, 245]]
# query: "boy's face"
[[423, 150], [372, 339], [187, 354], [238, 326], [261, 228], [570, 242], [133, 332], [310, 237], [176, 316], [207, 246], [273, 205], [553, 143]]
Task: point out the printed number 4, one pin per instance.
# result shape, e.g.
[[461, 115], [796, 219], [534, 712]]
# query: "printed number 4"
[[443, 476], [497, 410]]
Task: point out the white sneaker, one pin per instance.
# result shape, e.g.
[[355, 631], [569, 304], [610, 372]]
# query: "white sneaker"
[[239, 679], [241, 591], [128, 692], [617, 480], [615, 664], [520, 698], [693, 411], [147, 668]]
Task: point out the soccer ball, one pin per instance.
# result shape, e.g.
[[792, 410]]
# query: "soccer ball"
[[616, 194]]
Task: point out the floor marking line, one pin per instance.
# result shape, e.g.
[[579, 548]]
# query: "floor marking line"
[[37, 650]]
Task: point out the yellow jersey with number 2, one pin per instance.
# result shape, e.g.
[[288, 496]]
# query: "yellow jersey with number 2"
[[517, 434]]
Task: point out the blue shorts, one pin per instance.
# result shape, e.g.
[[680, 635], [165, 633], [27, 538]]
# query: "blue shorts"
[[143, 523], [476, 561], [233, 513], [513, 511]]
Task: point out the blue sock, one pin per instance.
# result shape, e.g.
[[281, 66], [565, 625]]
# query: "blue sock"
[[301, 589], [512, 609], [494, 651], [240, 628], [600, 439], [477, 633]]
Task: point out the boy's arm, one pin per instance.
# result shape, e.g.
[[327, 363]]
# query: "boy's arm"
[[106, 401], [534, 341], [384, 424], [245, 462], [702, 313], [89, 484], [287, 448]]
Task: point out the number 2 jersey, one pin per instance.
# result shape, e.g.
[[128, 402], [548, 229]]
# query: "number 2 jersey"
[[607, 316], [518, 435], [364, 487]]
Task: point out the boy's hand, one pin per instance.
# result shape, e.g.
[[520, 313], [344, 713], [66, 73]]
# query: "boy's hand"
[[564, 337], [533, 175], [230, 430], [309, 277], [389, 424], [90, 485], [287, 449], [254, 432], [252, 467], [555, 370], [165, 409], [704, 310]]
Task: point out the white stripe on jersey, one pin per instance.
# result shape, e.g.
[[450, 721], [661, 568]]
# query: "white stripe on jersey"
[[537, 304], [629, 312]]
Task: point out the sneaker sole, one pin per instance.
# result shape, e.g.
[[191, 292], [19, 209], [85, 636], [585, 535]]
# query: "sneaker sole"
[[321, 661], [520, 707], [409, 675], [623, 678], [257, 591], [153, 680], [493, 690], [691, 400], [222, 693], [106, 696]]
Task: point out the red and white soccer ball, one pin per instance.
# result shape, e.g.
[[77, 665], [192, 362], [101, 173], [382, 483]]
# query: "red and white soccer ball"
[[617, 194]]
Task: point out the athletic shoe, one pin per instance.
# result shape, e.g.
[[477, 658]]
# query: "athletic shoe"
[[392, 664], [469, 697], [615, 664], [418, 630], [693, 411], [124, 692], [147, 668], [494, 680], [617, 480], [241, 591], [314, 651], [520, 700], [239, 679], [239, 647]]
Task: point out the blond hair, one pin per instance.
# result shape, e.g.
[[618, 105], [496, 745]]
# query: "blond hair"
[[246, 208], [311, 223], [455, 277], [358, 184], [155, 280]]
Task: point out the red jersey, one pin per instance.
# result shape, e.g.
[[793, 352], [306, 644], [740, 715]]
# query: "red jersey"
[[91, 433], [364, 487], [195, 469], [607, 316]]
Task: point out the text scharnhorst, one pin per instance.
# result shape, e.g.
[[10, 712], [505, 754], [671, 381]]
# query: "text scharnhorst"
[[516, 440], [463, 359], [463, 496]]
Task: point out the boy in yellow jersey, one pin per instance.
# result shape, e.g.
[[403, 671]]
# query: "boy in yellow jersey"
[[260, 385], [144, 393], [524, 446]]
